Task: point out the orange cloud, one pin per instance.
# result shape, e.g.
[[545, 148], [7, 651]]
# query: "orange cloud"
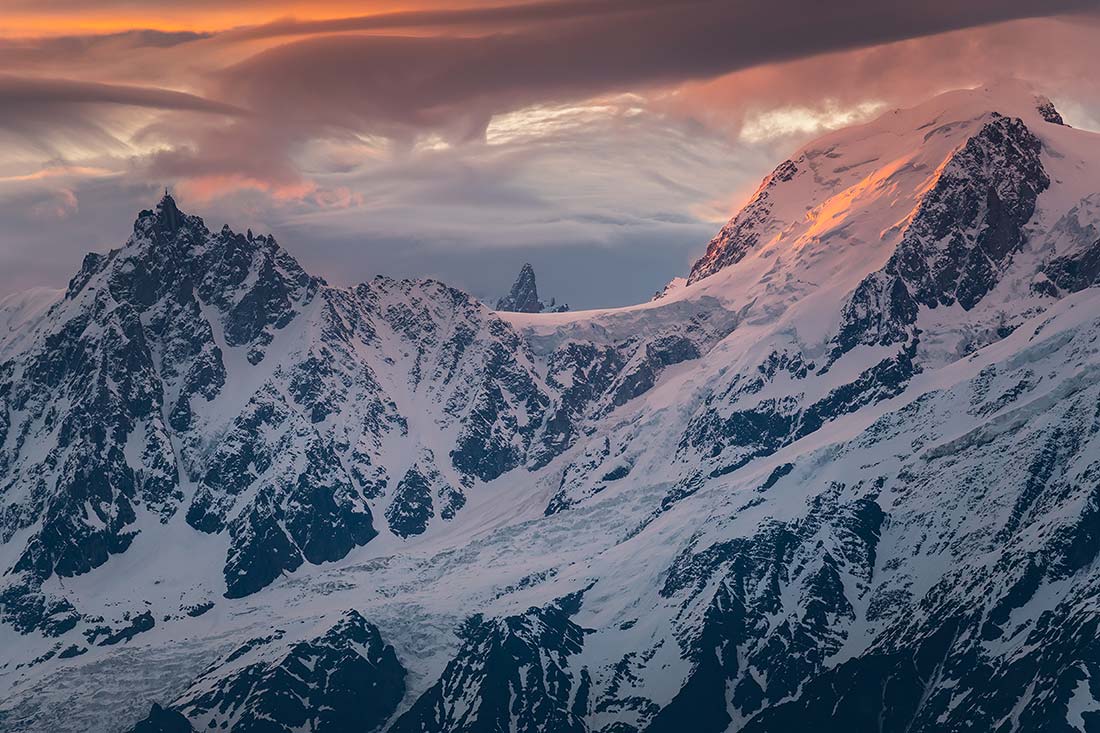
[[25, 18], [204, 188], [60, 171]]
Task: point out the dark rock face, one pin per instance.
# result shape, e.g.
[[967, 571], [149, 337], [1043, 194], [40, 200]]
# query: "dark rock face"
[[511, 674], [486, 446], [139, 624], [261, 549], [327, 516], [593, 381], [411, 508], [1077, 271], [582, 374], [962, 238], [71, 651], [935, 675], [927, 675], [319, 517], [658, 354], [474, 365], [524, 295], [574, 486], [963, 653], [416, 497], [102, 359], [27, 608], [346, 679], [736, 437], [1048, 111], [734, 646], [989, 190]]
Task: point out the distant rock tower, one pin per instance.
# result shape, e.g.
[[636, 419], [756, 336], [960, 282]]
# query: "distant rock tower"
[[169, 216], [524, 296]]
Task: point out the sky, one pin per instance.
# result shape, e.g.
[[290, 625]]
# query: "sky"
[[604, 141]]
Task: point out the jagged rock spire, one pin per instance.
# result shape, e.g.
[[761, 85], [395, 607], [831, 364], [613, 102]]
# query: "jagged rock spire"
[[524, 296], [168, 215]]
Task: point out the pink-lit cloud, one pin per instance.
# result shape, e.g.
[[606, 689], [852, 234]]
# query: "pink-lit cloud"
[[454, 125]]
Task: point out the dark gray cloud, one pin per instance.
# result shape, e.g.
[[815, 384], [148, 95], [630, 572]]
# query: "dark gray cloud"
[[32, 50], [17, 92], [49, 115], [477, 17], [537, 52], [457, 83]]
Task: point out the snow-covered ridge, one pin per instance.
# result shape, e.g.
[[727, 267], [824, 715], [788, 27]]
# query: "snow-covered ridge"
[[844, 476]]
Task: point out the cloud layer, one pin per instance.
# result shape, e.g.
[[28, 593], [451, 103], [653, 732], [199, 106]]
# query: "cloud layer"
[[452, 131]]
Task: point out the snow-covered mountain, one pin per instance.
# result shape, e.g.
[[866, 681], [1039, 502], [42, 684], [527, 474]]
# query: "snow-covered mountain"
[[846, 476]]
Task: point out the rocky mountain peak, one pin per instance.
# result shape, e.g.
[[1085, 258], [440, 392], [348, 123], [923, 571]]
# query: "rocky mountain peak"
[[164, 224], [524, 295], [169, 217], [744, 230], [814, 195]]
